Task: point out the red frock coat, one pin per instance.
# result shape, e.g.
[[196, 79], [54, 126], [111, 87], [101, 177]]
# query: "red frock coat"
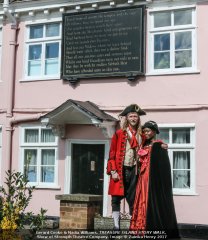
[[115, 162]]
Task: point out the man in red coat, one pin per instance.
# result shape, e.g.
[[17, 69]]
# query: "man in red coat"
[[122, 163]]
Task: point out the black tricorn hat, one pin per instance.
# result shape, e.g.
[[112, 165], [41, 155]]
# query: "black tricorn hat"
[[152, 125], [132, 108]]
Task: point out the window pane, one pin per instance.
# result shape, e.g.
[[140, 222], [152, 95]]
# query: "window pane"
[[183, 59], [48, 157], [35, 52], [162, 42], [52, 30], [34, 68], [162, 60], [181, 169], [181, 160], [162, 57], [47, 174], [36, 31], [183, 40], [31, 135], [162, 19], [182, 17], [164, 135], [52, 62], [52, 50], [47, 135], [31, 173], [51, 67], [181, 135], [30, 157], [181, 179]]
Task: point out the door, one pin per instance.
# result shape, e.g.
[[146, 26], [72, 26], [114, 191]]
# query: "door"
[[87, 168]]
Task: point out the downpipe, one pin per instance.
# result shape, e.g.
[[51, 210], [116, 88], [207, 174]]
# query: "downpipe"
[[10, 80]]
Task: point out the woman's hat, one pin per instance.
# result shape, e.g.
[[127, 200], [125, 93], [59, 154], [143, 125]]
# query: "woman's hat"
[[152, 125], [132, 108]]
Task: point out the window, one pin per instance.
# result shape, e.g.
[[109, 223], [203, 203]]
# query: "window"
[[172, 41], [43, 51], [39, 154], [180, 140]]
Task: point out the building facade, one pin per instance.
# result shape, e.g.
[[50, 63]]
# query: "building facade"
[[60, 131]]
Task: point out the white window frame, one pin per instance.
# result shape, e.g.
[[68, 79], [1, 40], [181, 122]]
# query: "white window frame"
[[68, 168], [182, 147], [171, 29], [39, 146], [42, 42]]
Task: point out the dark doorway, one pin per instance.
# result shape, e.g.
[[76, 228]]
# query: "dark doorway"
[[88, 168]]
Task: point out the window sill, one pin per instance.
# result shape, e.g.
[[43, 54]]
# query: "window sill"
[[40, 79], [52, 187], [191, 193], [172, 73]]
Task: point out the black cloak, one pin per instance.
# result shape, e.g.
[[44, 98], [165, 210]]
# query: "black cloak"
[[160, 208]]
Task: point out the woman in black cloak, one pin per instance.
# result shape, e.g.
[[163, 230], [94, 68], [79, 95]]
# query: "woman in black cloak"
[[153, 206]]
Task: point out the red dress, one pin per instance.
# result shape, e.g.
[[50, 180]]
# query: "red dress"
[[138, 221]]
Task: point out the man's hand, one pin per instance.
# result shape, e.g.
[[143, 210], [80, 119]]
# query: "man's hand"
[[164, 145], [115, 176]]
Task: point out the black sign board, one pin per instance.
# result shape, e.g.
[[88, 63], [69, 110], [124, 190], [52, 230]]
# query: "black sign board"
[[103, 43]]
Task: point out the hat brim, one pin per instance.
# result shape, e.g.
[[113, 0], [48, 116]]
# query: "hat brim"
[[126, 112], [152, 128]]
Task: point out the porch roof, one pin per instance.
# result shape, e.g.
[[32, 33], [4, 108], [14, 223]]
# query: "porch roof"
[[77, 112]]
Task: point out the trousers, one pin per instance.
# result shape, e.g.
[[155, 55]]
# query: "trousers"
[[129, 181]]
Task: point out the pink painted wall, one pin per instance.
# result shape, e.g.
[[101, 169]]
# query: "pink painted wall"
[[151, 90], [169, 91], [148, 91]]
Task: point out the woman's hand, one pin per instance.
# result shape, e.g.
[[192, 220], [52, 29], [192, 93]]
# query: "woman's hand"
[[164, 145]]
